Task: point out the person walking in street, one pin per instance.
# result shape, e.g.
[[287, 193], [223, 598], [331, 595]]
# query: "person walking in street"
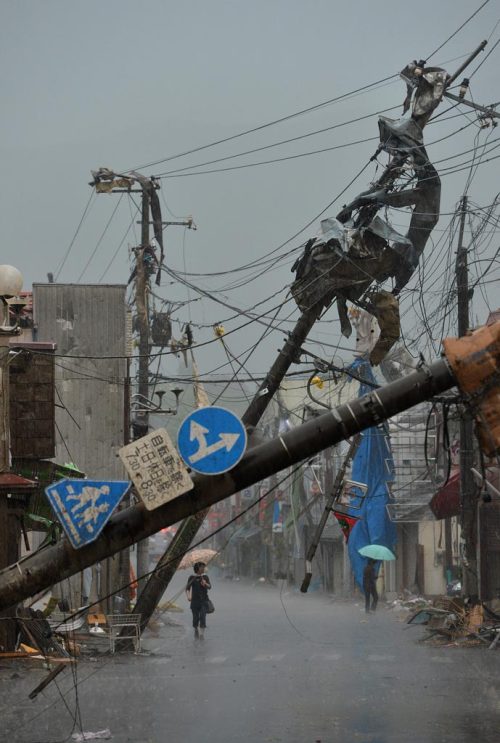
[[197, 589], [370, 585]]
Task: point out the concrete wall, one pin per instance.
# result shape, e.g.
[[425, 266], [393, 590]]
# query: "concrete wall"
[[88, 324], [431, 539]]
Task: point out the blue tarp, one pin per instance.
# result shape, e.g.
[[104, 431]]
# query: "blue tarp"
[[373, 465]]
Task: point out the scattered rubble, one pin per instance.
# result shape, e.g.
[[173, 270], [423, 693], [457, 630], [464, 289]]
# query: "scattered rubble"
[[453, 621], [100, 734]]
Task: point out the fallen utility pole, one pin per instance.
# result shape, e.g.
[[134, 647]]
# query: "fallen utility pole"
[[167, 565], [468, 488], [334, 495], [57, 562]]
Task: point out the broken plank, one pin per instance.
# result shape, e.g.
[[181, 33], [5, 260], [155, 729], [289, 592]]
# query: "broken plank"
[[50, 677], [14, 654]]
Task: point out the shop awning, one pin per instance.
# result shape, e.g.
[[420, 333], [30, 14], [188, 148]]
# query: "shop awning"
[[445, 503], [12, 483]]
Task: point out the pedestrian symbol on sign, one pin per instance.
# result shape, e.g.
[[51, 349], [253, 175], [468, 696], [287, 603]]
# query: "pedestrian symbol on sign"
[[86, 509], [84, 506]]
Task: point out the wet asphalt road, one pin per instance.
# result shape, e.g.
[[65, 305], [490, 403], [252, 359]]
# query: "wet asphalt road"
[[274, 666]]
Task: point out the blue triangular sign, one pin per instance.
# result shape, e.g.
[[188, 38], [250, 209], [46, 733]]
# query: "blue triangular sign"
[[84, 506]]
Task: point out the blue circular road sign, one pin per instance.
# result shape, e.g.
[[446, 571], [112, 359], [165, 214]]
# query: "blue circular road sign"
[[211, 440]]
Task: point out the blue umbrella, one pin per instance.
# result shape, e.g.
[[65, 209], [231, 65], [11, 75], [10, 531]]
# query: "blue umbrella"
[[377, 552]]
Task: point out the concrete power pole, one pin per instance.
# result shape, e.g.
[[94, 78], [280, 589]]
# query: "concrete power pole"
[[107, 181], [468, 489], [141, 423]]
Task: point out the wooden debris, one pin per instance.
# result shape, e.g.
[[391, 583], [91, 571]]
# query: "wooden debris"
[[50, 677], [14, 655]]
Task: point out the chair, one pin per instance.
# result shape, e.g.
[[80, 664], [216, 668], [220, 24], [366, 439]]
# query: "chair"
[[124, 627]]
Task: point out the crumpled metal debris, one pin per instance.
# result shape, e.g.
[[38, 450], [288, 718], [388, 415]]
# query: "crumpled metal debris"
[[409, 603], [357, 249], [429, 84], [99, 735]]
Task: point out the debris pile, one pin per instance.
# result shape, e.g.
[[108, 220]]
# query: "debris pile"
[[410, 602], [453, 621]]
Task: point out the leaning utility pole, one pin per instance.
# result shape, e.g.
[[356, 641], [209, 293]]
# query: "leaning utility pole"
[[167, 565], [468, 489], [333, 496], [472, 363]]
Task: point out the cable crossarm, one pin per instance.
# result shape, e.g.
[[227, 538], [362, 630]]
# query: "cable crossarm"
[[472, 362]]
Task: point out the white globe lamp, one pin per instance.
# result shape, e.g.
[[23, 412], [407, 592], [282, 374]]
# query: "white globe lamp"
[[11, 281]]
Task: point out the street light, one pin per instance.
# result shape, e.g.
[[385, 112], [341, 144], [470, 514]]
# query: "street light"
[[142, 404], [11, 283]]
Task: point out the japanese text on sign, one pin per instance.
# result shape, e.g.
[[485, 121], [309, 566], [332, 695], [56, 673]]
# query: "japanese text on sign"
[[156, 469]]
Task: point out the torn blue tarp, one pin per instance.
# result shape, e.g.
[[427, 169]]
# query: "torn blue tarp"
[[373, 465]]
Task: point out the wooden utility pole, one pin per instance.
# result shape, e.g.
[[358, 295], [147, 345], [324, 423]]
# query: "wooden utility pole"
[[468, 489]]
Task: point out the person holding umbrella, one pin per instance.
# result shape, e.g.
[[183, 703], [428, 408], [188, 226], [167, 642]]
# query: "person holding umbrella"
[[197, 589], [370, 585]]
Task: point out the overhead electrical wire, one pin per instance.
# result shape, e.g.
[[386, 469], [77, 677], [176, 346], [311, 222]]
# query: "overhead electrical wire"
[[159, 176], [180, 174], [103, 234], [281, 257], [72, 242], [451, 36], [115, 254], [270, 262], [180, 279], [486, 56], [260, 127]]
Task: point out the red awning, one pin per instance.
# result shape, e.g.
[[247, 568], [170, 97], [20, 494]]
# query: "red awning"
[[445, 503], [11, 483]]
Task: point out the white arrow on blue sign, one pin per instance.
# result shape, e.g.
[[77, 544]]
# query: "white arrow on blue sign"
[[84, 506], [211, 440]]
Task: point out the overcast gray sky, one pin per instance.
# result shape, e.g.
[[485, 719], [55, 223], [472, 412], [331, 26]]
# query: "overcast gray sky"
[[124, 84]]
